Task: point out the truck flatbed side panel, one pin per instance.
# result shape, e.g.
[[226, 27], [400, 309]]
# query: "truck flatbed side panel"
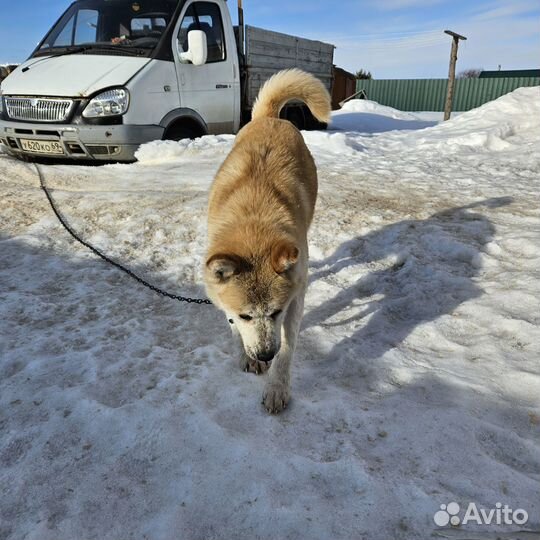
[[268, 52]]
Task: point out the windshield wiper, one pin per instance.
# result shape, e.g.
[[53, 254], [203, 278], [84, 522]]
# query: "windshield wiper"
[[65, 52], [131, 51], [136, 51]]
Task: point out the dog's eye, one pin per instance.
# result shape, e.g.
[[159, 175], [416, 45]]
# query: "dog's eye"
[[275, 314], [246, 317]]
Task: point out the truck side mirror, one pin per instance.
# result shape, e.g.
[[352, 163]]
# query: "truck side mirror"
[[197, 52]]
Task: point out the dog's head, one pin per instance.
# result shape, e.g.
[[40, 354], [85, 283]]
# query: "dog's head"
[[255, 292]]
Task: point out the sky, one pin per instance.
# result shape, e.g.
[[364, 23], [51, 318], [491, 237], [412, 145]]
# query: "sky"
[[394, 39]]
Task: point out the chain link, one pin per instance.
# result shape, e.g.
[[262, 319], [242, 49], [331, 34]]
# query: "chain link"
[[96, 251]]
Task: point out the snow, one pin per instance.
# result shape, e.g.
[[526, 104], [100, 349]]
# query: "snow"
[[416, 381], [365, 116]]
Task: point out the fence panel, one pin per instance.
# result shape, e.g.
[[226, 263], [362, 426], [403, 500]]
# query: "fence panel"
[[430, 94]]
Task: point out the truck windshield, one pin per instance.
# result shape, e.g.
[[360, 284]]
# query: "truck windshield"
[[109, 26]]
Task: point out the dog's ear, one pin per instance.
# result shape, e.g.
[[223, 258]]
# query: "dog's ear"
[[223, 266], [284, 256]]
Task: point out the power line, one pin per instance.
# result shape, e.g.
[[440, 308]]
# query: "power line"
[[384, 36], [386, 46]]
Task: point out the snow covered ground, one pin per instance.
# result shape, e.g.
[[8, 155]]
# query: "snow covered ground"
[[416, 383]]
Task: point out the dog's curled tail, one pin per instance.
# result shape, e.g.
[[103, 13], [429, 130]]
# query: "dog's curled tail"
[[292, 84]]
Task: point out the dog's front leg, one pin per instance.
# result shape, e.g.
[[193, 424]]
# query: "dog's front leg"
[[239, 351], [277, 391]]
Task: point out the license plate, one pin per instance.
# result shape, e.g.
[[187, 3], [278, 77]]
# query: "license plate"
[[42, 147]]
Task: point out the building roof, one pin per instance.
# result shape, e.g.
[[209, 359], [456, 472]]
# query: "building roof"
[[510, 73]]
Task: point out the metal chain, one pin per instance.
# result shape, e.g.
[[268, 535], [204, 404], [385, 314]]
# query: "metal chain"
[[107, 259]]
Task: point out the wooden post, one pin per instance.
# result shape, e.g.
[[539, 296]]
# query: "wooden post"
[[451, 73]]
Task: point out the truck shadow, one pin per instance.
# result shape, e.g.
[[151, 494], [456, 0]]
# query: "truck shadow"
[[44, 160], [417, 271]]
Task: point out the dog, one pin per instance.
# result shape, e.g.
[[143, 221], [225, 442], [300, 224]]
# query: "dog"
[[260, 208]]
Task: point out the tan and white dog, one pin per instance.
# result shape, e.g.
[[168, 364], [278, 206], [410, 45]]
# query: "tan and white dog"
[[261, 205]]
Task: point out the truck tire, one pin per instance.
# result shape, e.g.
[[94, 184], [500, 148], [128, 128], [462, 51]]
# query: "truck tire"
[[179, 132], [183, 128], [295, 115], [312, 123], [300, 116]]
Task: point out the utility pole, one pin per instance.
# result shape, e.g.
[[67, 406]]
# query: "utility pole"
[[451, 73]]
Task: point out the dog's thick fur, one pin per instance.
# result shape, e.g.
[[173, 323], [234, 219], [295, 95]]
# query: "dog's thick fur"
[[261, 205]]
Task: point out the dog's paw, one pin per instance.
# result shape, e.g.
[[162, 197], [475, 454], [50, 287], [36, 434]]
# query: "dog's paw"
[[275, 397], [253, 366]]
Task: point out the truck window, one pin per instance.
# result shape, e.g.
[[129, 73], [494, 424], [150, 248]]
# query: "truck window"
[[204, 16], [148, 26], [65, 36], [86, 29], [102, 23]]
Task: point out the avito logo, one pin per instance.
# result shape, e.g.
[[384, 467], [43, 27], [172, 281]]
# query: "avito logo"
[[500, 515]]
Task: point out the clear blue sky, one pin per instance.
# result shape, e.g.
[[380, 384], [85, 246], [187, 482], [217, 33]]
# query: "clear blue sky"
[[391, 38]]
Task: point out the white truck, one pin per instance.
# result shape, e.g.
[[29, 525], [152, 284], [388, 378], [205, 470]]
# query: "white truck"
[[113, 74]]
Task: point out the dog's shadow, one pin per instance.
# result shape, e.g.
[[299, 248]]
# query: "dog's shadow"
[[410, 273]]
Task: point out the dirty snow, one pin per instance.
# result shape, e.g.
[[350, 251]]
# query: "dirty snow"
[[416, 383]]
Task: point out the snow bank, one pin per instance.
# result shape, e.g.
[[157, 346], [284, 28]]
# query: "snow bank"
[[366, 116], [367, 106], [333, 142], [490, 125], [159, 151]]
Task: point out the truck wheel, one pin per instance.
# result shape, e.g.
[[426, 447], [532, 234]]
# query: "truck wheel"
[[179, 133], [295, 115], [312, 123]]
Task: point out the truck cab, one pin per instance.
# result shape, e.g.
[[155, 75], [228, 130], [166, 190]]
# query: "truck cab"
[[113, 74]]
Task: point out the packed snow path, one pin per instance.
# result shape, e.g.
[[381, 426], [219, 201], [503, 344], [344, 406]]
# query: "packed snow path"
[[416, 381]]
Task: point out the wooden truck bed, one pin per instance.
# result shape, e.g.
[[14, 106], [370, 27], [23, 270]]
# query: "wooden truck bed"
[[267, 52]]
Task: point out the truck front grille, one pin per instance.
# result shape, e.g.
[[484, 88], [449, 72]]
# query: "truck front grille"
[[38, 109]]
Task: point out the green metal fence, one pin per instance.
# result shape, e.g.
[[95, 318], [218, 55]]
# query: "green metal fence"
[[430, 94]]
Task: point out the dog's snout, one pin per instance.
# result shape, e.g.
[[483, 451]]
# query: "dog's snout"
[[265, 356]]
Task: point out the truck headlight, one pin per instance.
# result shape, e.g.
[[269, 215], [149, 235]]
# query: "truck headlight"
[[109, 103]]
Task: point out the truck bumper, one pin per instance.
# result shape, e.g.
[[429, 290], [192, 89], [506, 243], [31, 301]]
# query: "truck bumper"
[[79, 142]]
